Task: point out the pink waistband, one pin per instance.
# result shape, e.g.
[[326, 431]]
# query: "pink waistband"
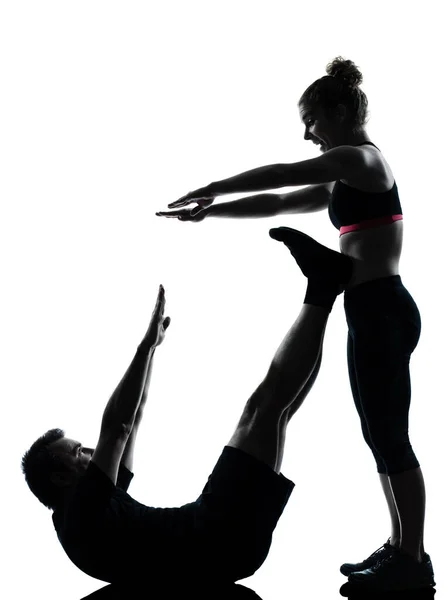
[[370, 223]]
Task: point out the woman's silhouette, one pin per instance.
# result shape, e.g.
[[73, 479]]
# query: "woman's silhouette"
[[353, 180]]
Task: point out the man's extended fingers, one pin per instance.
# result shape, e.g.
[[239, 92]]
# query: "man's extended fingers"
[[160, 302]]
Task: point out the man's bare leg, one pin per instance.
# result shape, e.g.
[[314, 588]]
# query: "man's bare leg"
[[258, 431], [327, 271], [292, 409]]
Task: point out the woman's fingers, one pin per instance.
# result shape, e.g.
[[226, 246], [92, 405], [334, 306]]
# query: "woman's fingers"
[[174, 213], [184, 201], [179, 203], [196, 196], [185, 214]]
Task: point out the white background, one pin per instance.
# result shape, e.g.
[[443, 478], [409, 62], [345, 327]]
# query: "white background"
[[111, 110]]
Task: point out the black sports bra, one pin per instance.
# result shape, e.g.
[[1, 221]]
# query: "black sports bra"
[[351, 209]]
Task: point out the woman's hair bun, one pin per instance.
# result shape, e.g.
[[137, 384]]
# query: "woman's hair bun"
[[346, 70]]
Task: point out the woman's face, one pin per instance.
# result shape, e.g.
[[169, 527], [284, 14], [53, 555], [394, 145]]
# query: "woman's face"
[[319, 128]]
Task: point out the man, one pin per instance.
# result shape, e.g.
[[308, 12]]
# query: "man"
[[224, 535]]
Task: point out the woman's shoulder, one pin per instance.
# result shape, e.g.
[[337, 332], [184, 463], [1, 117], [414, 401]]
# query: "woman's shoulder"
[[378, 176]]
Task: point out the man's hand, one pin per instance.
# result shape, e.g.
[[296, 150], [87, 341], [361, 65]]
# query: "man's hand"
[[126, 399], [202, 196], [196, 214], [159, 323]]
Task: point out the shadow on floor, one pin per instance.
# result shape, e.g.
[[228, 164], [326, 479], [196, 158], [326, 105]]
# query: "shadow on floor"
[[237, 591], [233, 591]]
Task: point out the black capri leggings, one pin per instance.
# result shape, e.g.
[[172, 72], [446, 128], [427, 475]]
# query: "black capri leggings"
[[383, 330]]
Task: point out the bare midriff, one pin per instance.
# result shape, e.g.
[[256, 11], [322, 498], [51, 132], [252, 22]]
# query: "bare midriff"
[[375, 251]]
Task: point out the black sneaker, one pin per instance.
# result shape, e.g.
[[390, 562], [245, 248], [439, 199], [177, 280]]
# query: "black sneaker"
[[383, 552]]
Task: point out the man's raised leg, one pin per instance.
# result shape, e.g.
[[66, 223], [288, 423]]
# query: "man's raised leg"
[[291, 410], [261, 429], [258, 431]]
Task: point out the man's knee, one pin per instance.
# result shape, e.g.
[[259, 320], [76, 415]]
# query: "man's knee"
[[262, 403]]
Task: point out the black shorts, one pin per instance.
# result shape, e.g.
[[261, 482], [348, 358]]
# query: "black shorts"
[[238, 511], [221, 537]]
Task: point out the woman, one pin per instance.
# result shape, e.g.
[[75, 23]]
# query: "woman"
[[353, 180]]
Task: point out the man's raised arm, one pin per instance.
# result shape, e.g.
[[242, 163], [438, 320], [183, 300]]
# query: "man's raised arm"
[[127, 460], [120, 412]]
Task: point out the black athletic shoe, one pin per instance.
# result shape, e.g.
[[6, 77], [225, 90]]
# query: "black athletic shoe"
[[383, 552]]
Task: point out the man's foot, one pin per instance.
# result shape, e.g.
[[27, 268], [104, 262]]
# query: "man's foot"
[[315, 260]]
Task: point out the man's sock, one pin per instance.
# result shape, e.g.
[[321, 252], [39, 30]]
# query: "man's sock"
[[315, 260], [321, 292]]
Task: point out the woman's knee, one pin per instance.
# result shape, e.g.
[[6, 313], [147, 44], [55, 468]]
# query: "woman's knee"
[[395, 455]]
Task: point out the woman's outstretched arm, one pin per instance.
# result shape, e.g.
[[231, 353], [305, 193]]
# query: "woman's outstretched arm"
[[260, 205], [342, 162], [311, 198]]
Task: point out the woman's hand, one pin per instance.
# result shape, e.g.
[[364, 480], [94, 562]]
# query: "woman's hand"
[[201, 196], [196, 214]]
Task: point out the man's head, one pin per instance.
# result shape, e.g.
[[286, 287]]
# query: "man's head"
[[52, 466], [74, 456], [334, 108]]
